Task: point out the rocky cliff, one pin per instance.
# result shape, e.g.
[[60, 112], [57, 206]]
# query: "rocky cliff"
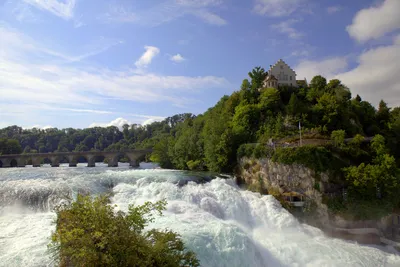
[[268, 177]]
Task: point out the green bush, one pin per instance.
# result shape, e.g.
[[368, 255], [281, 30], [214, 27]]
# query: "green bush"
[[194, 165], [316, 158], [254, 151], [90, 233]]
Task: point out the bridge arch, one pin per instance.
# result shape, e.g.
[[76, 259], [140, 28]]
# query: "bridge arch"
[[62, 159], [13, 163], [46, 160], [99, 159]]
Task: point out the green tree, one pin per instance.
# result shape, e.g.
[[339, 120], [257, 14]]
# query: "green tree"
[[383, 115], [245, 122], [10, 146], [90, 233], [257, 76], [317, 88], [294, 106], [338, 137], [161, 152], [382, 175], [269, 99]]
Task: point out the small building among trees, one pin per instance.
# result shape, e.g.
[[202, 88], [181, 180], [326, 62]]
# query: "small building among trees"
[[282, 74]]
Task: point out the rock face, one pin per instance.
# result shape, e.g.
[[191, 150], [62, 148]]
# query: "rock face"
[[274, 176]]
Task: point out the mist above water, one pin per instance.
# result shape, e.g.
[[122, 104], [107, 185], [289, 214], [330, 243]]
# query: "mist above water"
[[223, 224]]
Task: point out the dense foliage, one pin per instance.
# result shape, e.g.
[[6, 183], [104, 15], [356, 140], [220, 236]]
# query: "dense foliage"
[[9, 146], [97, 138], [90, 233]]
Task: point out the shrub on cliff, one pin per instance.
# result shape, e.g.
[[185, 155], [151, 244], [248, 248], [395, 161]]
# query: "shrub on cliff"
[[316, 158], [90, 233]]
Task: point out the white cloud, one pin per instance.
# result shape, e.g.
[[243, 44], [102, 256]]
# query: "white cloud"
[[376, 21], [333, 9], [177, 58], [277, 8], [167, 11], [119, 122], [15, 44], [120, 14], [209, 17], [37, 126], [285, 27], [29, 73], [375, 77], [327, 68], [23, 13], [377, 74], [151, 120], [62, 8], [147, 57]]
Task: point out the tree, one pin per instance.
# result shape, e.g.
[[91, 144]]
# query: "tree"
[[245, 122], [90, 233], [338, 137], [293, 107], [257, 76], [327, 109], [317, 88], [382, 175], [161, 152], [319, 83], [269, 99], [10, 146], [383, 115], [357, 140]]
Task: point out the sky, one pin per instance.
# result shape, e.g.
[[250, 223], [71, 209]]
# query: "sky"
[[85, 63]]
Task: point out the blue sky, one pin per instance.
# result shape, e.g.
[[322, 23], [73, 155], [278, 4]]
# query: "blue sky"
[[80, 63]]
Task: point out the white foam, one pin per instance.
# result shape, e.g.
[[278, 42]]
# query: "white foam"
[[224, 225]]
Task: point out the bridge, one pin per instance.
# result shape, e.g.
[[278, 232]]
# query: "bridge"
[[21, 160]]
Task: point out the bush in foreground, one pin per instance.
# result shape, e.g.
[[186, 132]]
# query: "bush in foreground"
[[90, 233]]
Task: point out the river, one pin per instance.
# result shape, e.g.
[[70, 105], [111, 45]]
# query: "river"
[[224, 225]]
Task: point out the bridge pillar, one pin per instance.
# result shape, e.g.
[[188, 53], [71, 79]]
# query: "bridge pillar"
[[112, 160], [133, 159], [91, 160], [134, 163], [73, 162], [36, 161], [21, 161], [55, 161], [6, 163]]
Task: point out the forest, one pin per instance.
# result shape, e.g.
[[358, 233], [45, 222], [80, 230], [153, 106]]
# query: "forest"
[[347, 135]]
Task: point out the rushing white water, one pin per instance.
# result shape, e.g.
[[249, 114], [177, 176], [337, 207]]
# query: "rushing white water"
[[223, 224]]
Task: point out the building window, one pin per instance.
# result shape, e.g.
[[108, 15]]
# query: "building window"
[[281, 67], [290, 77], [286, 78]]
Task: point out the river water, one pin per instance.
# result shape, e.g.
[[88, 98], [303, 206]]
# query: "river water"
[[224, 225]]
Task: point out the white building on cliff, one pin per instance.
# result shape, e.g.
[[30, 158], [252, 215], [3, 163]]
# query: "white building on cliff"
[[281, 74]]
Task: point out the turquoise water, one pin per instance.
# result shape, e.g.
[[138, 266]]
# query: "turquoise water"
[[223, 224]]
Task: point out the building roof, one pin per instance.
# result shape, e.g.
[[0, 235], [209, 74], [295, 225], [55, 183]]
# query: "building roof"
[[270, 78], [279, 62]]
